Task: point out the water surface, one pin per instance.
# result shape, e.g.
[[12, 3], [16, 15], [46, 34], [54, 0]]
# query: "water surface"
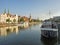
[[16, 35]]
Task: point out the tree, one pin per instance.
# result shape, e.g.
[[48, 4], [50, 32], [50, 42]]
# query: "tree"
[[8, 20], [19, 20], [22, 20], [14, 20]]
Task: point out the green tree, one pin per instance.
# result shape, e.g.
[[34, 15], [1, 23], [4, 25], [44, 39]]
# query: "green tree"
[[14, 20], [18, 20], [21, 20], [8, 20]]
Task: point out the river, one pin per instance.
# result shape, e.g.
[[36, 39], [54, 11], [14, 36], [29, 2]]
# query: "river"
[[15, 35]]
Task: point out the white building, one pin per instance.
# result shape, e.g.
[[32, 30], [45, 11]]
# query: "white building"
[[8, 18]]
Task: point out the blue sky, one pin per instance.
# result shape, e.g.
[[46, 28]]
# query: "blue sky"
[[37, 8]]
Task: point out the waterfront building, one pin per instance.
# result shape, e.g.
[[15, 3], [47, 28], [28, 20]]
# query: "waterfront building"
[[8, 18], [26, 21], [25, 18]]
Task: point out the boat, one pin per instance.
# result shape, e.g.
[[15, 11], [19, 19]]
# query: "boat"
[[21, 24], [49, 29], [24, 24]]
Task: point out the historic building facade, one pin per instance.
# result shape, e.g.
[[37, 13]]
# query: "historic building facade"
[[8, 18]]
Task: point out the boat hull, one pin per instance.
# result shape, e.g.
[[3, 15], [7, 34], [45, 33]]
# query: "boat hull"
[[49, 33]]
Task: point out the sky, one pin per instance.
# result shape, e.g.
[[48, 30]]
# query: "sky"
[[38, 8]]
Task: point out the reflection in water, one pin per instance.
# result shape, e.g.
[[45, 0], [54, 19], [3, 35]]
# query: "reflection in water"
[[51, 41], [7, 30], [4, 31], [32, 36]]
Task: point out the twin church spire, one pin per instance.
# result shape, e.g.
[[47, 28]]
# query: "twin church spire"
[[5, 11]]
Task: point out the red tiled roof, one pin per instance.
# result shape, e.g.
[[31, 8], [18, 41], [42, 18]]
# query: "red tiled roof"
[[25, 18]]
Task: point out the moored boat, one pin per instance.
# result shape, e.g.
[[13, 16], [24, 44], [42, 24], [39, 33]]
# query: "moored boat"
[[49, 29]]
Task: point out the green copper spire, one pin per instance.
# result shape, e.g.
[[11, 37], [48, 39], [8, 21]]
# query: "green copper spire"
[[8, 11], [30, 18], [4, 11], [30, 15]]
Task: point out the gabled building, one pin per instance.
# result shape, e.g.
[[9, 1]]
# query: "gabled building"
[[8, 18], [25, 19]]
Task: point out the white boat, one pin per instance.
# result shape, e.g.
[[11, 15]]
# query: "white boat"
[[24, 24], [21, 24], [49, 29]]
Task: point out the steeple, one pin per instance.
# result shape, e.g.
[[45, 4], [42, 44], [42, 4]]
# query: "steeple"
[[4, 11], [8, 11], [30, 17]]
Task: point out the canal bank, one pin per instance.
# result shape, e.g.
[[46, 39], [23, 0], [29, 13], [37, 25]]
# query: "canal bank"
[[15, 24]]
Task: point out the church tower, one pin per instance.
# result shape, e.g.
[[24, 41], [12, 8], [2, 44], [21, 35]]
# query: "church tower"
[[30, 17], [8, 12], [4, 11]]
